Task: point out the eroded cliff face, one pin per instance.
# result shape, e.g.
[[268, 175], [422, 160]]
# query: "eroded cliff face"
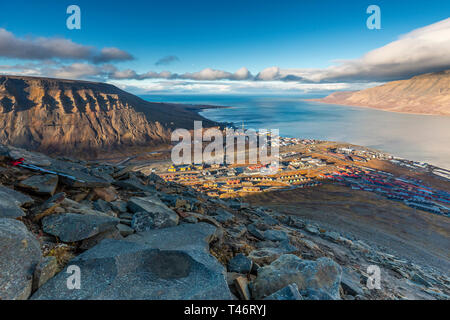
[[424, 94], [81, 118]]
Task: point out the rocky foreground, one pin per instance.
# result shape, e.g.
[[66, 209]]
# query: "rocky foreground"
[[134, 236]]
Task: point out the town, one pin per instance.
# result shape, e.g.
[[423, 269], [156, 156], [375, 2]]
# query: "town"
[[307, 163]]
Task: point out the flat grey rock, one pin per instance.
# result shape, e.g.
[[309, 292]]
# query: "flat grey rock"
[[134, 184], [287, 293], [11, 201], [142, 221], [313, 294], [419, 280], [125, 230], [95, 240], [44, 271], [41, 184], [240, 263], [183, 237], [332, 236], [118, 269], [321, 275], [312, 229], [34, 158], [71, 227], [350, 282], [102, 205], [19, 255], [254, 231], [269, 251], [76, 175], [162, 216], [222, 215], [266, 219], [275, 235], [191, 238], [119, 206]]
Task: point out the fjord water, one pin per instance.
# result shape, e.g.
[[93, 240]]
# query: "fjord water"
[[415, 137]]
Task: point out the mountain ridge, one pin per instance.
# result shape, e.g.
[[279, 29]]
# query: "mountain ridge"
[[422, 94], [63, 117]]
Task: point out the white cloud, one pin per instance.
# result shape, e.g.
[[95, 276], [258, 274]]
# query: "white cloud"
[[269, 74], [212, 74], [75, 71]]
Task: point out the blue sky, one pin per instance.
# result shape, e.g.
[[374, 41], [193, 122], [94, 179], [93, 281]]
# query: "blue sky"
[[221, 35]]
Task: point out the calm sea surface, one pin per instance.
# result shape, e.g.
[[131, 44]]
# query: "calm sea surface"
[[415, 137]]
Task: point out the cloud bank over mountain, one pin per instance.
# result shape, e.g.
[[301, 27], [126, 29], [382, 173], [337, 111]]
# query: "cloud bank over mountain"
[[420, 51], [423, 50]]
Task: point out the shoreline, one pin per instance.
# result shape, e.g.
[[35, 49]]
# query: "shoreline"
[[321, 101], [395, 156]]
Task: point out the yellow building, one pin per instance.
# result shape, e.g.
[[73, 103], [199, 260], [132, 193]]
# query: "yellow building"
[[251, 189], [213, 194]]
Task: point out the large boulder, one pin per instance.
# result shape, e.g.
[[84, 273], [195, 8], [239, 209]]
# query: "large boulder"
[[71, 227], [19, 255], [162, 216], [184, 236], [323, 275], [118, 269], [11, 201], [191, 238]]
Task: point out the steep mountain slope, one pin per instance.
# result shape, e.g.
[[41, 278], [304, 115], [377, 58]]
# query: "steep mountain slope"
[[83, 118], [424, 94]]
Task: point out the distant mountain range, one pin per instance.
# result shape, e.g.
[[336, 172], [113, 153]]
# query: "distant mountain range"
[[84, 119], [423, 94]]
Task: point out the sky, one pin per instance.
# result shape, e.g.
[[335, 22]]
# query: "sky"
[[234, 46]]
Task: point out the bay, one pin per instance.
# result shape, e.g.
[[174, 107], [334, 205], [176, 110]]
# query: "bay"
[[414, 137]]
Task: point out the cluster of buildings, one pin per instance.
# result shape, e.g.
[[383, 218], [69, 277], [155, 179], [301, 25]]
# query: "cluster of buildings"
[[221, 180], [305, 162], [422, 166], [310, 168], [411, 191], [285, 142], [357, 154]]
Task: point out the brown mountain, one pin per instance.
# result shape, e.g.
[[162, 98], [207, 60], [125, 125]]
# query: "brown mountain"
[[424, 94], [86, 119]]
